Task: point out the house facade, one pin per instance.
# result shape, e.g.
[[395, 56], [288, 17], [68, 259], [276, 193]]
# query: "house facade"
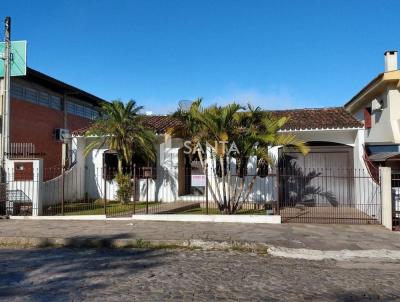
[[377, 106], [335, 138]]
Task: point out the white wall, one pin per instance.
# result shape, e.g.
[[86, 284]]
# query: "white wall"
[[71, 186], [163, 188], [30, 188]]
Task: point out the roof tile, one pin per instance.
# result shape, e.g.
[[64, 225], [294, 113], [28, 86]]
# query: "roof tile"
[[300, 119], [318, 118]]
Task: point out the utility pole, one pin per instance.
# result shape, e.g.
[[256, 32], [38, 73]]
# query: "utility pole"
[[5, 133]]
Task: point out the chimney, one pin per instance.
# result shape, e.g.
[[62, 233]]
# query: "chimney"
[[390, 60]]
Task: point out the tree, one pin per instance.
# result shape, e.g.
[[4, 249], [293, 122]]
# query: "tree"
[[120, 128], [252, 130]]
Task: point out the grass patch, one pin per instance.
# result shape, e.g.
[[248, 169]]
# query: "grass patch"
[[95, 208]]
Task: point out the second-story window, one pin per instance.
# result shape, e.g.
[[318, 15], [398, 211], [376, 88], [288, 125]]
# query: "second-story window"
[[43, 99], [31, 95]]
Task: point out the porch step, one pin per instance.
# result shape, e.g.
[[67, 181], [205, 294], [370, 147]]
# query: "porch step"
[[191, 198]]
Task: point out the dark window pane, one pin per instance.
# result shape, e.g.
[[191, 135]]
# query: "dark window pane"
[[17, 91], [55, 102], [31, 95], [44, 99]]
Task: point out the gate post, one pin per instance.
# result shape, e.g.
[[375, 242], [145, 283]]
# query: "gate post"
[[386, 196]]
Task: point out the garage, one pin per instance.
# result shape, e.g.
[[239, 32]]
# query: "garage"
[[326, 169]]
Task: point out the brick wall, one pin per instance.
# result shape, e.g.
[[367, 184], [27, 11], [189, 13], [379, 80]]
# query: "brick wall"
[[31, 123]]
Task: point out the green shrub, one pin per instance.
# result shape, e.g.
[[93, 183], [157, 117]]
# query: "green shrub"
[[124, 192]]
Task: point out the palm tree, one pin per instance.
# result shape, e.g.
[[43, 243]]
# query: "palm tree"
[[253, 131], [219, 121], [120, 128]]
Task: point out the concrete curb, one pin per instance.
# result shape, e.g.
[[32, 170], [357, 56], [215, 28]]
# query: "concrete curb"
[[260, 248], [340, 255], [251, 219], [37, 242]]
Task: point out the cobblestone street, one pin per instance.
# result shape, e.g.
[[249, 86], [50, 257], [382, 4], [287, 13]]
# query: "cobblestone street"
[[154, 275]]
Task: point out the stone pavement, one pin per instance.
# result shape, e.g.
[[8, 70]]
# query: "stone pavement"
[[180, 275], [299, 236]]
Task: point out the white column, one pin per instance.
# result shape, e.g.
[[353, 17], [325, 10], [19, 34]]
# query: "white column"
[[38, 170], [386, 196]]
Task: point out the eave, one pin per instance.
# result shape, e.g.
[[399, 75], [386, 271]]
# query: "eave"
[[377, 86]]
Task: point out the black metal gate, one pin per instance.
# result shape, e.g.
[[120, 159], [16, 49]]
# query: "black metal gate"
[[336, 196]]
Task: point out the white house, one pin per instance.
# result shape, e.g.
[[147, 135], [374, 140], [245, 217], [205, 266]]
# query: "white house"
[[335, 138]]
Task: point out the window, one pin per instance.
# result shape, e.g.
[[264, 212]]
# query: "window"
[[17, 91], [81, 110], [71, 107], [367, 118], [31, 95], [90, 114], [55, 102], [110, 165], [44, 99]]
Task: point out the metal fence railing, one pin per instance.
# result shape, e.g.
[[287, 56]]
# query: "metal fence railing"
[[298, 195], [347, 196], [396, 200]]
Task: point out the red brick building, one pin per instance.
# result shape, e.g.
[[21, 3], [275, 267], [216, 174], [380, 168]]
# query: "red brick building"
[[41, 104]]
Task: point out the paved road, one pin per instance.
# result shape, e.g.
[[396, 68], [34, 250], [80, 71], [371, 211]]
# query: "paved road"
[[177, 275], [308, 236]]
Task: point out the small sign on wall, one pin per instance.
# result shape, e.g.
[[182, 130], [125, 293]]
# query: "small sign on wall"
[[198, 180]]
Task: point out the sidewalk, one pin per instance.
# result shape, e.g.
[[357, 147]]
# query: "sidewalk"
[[292, 236]]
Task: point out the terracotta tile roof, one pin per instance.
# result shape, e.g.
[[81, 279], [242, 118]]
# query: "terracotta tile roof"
[[318, 118], [300, 119], [159, 123]]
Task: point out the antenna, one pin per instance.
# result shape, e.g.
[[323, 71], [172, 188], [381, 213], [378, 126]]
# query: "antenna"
[[184, 105]]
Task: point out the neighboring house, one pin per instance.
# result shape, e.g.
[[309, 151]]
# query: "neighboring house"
[[40, 105], [377, 106]]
